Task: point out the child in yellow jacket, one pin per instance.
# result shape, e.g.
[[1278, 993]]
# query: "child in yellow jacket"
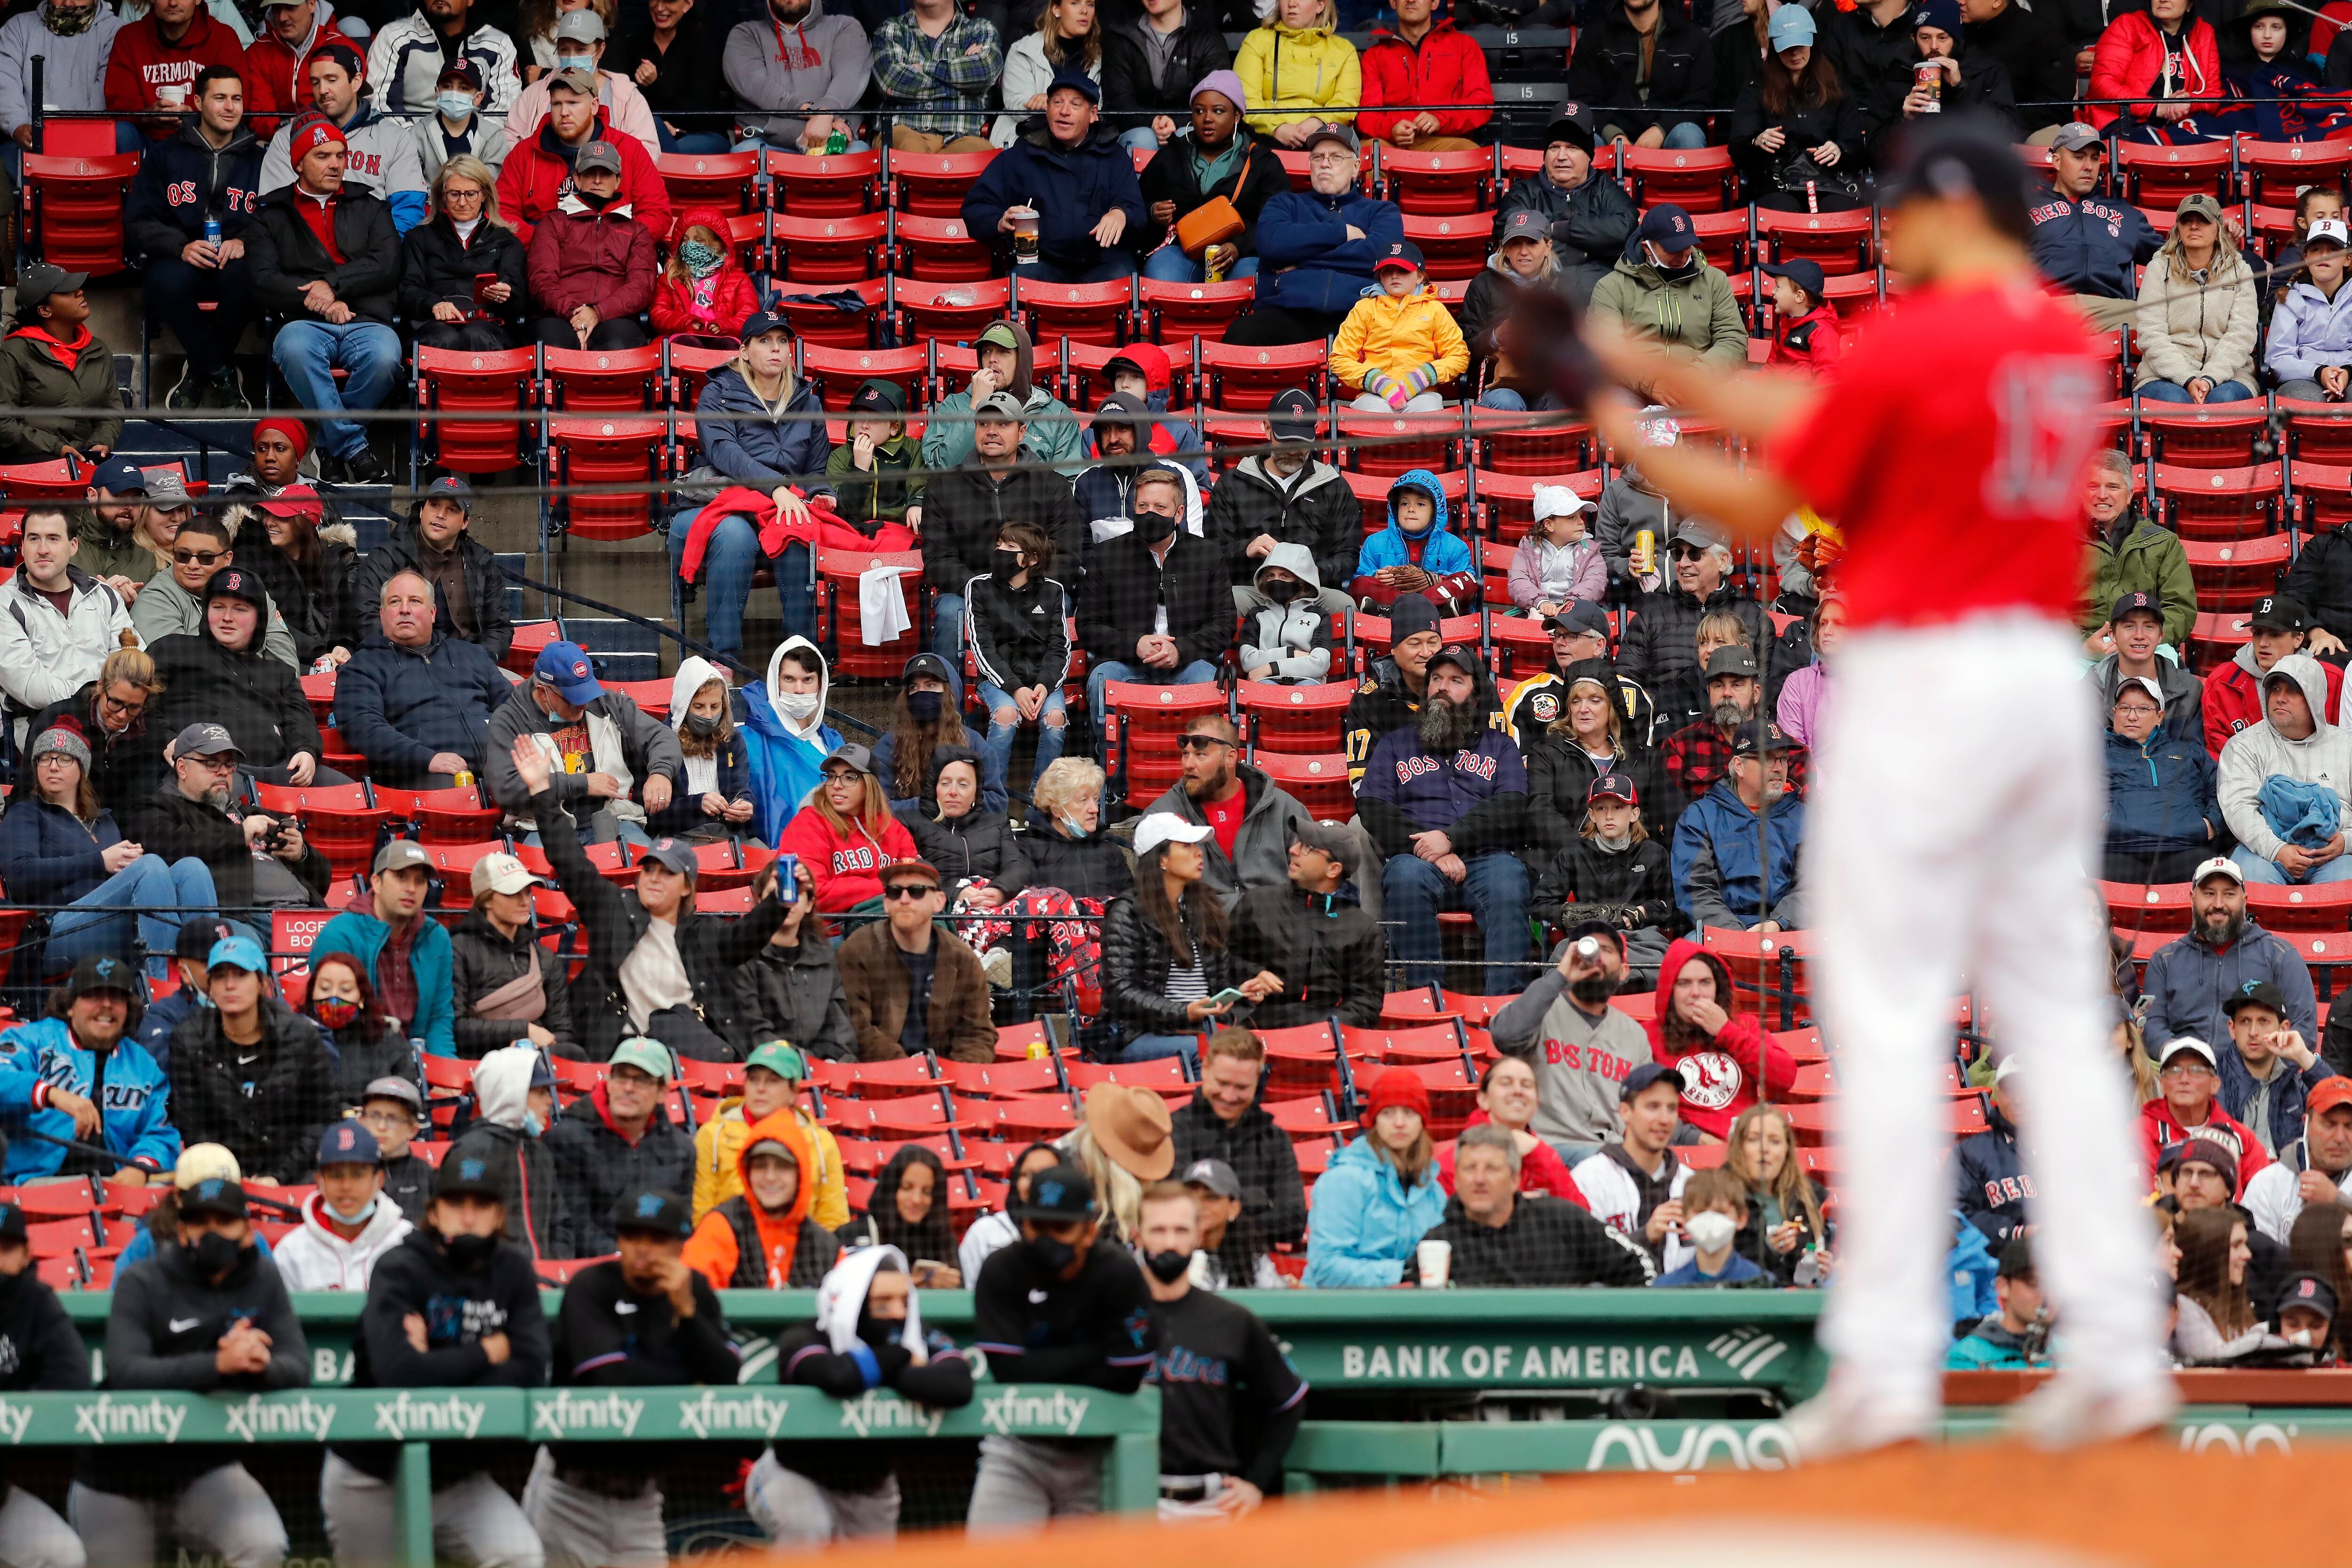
[[771, 1080], [1400, 342]]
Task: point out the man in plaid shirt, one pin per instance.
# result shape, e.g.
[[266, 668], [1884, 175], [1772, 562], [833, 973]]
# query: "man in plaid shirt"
[[936, 67], [1502, 1237], [1699, 754]]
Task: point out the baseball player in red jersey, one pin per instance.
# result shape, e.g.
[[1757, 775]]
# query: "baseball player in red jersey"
[[1959, 796]]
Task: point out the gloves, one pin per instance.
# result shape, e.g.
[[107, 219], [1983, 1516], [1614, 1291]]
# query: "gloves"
[[1388, 389]]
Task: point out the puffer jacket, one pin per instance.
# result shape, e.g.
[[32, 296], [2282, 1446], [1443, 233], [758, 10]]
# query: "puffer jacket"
[[1365, 1222], [1446, 66], [2160, 795], [2130, 61], [1698, 316], [438, 268], [2149, 560], [1316, 509], [1661, 646], [2189, 328], [1837, 119], [2323, 757], [1589, 226], [764, 450], [1413, 343], [801, 997], [1306, 260], [1486, 312], [1457, 587], [1294, 640], [1329, 954], [270, 1113], [481, 961], [2309, 330], [979, 846], [1298, 73], [1173, 176], [38, 372], [1136, 961], [604, 260]]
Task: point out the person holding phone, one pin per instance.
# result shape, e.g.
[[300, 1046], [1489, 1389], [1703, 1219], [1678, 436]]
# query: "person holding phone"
[[909, 1210], [462, 269], [1166, 969]]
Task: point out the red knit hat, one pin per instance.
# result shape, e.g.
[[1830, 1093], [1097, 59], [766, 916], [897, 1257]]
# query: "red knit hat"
[[295, 432], [311, 132], [1396, 1086]]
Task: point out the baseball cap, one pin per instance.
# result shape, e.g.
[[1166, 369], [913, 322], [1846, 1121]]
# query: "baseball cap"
[[1402, 253], [2220, 866], [580, 27], [202, 1161], [1760, 735], [771, 1148], [1459, 656], [575, 79], [346, 1143], [1328, 839], [12, 1223], [1648, 1073], [2331, 229], [2198, 204], [460, 69], [1571, 127], [2136, 603], [779, 1057], [238, 953], [204, 740], [654, 1209], [502, 874], [2188, 1045], [997, 334], [1731, 662], [1791, 26], [759, 323], [907, 873], [101, 973], [650, 1058], [1558, 500], [2328, 1094], [115, 476], [1166, 827], [198, 937], [1342, 135], [1525, 224], [597, 154], [167, 489], [1063, 1193], [467, 1177], [1695, 530], [1613, 786], [40, 279], [2308, 1292], [999, 406], [2144, 683], [399, 1089], [2277, 613], [453, 486], [1596, 928], [565, 667], [1581, 618], [235, 583], [1215, 1175], [2017, 1260], [850, 755], [1077, 81], [877, 396], [674, 853], [1668, 226], [296, 501], [401, 855], [2010, 1065], [215, 1195], [2255, 993], [1292, 416], [1804, 274], [2074, 135]]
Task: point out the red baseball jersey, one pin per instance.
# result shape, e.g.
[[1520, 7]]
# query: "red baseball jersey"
[[1949, 447]]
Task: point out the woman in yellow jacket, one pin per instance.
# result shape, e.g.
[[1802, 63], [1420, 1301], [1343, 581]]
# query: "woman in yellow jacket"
[[1298, 72], [772, 1081], [1399, 343]]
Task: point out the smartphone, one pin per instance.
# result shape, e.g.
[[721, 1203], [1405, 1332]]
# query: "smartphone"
[[1228, 995], [926, 1270], [482, 280]]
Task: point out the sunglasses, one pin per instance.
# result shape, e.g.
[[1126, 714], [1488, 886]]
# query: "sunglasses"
[[197, 557], [1200, 743], [1684, 553], [908, 893]]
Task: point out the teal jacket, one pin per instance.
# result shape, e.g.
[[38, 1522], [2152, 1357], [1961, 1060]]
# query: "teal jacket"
[[1992, 1348], [135, 1118], [362, 936], [1365, 1224]]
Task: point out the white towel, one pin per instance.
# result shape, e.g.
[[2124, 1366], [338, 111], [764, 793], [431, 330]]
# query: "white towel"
[[882, 605]]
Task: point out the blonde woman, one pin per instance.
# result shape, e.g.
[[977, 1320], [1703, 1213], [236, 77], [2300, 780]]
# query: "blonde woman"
[[2197, 313], [1067, 35], [1298, 72], [445, 259]]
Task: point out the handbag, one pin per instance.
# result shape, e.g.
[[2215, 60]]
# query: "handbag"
[[1216, 220]]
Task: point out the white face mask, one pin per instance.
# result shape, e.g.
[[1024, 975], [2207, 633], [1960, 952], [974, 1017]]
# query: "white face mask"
[[800, 706], [1711, 1231]]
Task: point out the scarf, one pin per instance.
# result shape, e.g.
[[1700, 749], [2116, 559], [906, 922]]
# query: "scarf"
[[67, 23], [67, 351]]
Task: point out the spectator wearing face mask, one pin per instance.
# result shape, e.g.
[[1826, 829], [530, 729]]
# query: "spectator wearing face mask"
[[1664, 289], [347, 1224], [714, 802], [1715, 1205], [514, 1102]]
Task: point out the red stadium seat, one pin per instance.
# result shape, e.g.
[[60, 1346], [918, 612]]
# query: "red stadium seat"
[[829, 250], [1090, 313], [2131, 907], [824, 185], [1450, 247], [339, 820], [1839, 242], [1175, 314], [1436, 183], [938, 250], [460, 381], [2318, 432], [842, 621], [595, 452], [1248, 378], [2326, 908], [829, 324], [1372, 495], [2233, 576], [2203, 435], [2322, 494], [1542, 442], [1521, 645], [952, 312], [1698, 179], [2273, 171], [1142, 720], [2160, 176], [459, 816], [1301, 719], [1318, 782], [73, 210], [2217, 636], [721, 180], [933, 184], [1508, 499], [837, 373], [1727, 239], [1392, 443], [601, 381], [2215, 504], [319, 691]]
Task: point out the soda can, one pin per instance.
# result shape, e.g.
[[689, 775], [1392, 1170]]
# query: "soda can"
[[465, 777]]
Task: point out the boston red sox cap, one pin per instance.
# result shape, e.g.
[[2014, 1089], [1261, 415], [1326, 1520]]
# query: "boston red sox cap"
[[2141, 602], [2277, 613], [1460, 657], [1613, 786], [1668, 228], [1402, 253]]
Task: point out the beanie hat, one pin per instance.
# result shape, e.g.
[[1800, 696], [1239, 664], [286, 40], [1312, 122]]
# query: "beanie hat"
[[1411, 614], [1398, 1087], [311, 132], [1220, 81], [1940, 14], [65, 735], [294, 430]]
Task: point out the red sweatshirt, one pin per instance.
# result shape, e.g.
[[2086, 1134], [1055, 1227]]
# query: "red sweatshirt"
[[1809, 342], [274, 73], [141, 62], [2160, 1129], [1446, 66], [1541, 1169], [1721, 1072], [847, 866]]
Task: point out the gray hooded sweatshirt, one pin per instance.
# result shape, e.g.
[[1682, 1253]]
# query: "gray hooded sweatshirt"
[[2252, 755], [1284, 636], [820, 61]]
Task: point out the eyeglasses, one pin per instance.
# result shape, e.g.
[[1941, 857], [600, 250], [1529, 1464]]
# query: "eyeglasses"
[[908, 893], [108, 700], [2188, 1068], [1200, 743], [196, 557], [385, 1119], [214, 764]]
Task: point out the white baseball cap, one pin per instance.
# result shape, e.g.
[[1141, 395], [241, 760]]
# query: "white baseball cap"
[[1558, 500], [502, 874], [2009, 1067], [2191, 1043], [1166, 827], [2329, 228], [2220, 866]]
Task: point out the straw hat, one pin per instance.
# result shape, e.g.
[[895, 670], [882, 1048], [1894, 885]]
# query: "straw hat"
[[1131, 1126]]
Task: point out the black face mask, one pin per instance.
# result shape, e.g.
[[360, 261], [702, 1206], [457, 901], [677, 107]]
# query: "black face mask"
[[1168, 1266], [1008, 562], [213, 1253], [702, 724], [880, 1333], [470, 1252], [1052, 1253], [1155, 526], [924, 706], [1283, 593]]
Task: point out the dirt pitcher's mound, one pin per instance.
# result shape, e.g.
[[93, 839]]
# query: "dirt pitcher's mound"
[[2139, 1505]]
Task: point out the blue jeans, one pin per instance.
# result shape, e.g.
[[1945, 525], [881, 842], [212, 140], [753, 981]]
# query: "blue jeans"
[[1159, 1047], [307, 351], [1510, 401], [2173, 392], [998, 742], [1413, 892], [1114, 266], [692, 141], [2267, 872], [1169, 264], [946, 628], [1687, 137], [729, 560], [148, 891], [1200, 672]]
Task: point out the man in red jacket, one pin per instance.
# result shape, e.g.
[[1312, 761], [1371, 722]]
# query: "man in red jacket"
[[1417, 64], [2233, 693], [2191, 1107], [537, 172], [153, 66], [274, 62], [591, 270]]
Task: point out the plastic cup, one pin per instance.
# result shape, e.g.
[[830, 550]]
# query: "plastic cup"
[[1436, 1259]]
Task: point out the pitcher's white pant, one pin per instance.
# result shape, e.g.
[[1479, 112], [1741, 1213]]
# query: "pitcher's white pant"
[[1959, 799], [33, 1536]]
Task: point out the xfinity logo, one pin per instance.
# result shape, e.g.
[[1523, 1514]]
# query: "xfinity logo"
[[567, 1412], [15, 1419], [253, 1420], [404, 1417], [869, 1413], [150, 1420], [732, 1414], [1014, 1408]]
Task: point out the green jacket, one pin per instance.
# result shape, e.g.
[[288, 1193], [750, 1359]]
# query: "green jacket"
[[1053, 433], [31, 378], [1698, 314], [2149, 560], [102, 552], [884, 496]]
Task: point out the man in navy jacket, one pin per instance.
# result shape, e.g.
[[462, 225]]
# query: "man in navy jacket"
[[1079, 180], [2162, 813], [1316, 251], [209, 172], [416, 701]]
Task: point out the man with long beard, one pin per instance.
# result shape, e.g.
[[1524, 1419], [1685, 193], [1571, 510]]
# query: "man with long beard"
[[1445, 798], [1581, 1046]]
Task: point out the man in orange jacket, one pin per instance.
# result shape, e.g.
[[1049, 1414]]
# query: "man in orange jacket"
[[762, 1239]]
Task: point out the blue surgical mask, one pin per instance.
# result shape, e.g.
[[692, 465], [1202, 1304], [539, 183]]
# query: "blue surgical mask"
[[1072, 826], [532, 1125], [453, 105], [575, 62]]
